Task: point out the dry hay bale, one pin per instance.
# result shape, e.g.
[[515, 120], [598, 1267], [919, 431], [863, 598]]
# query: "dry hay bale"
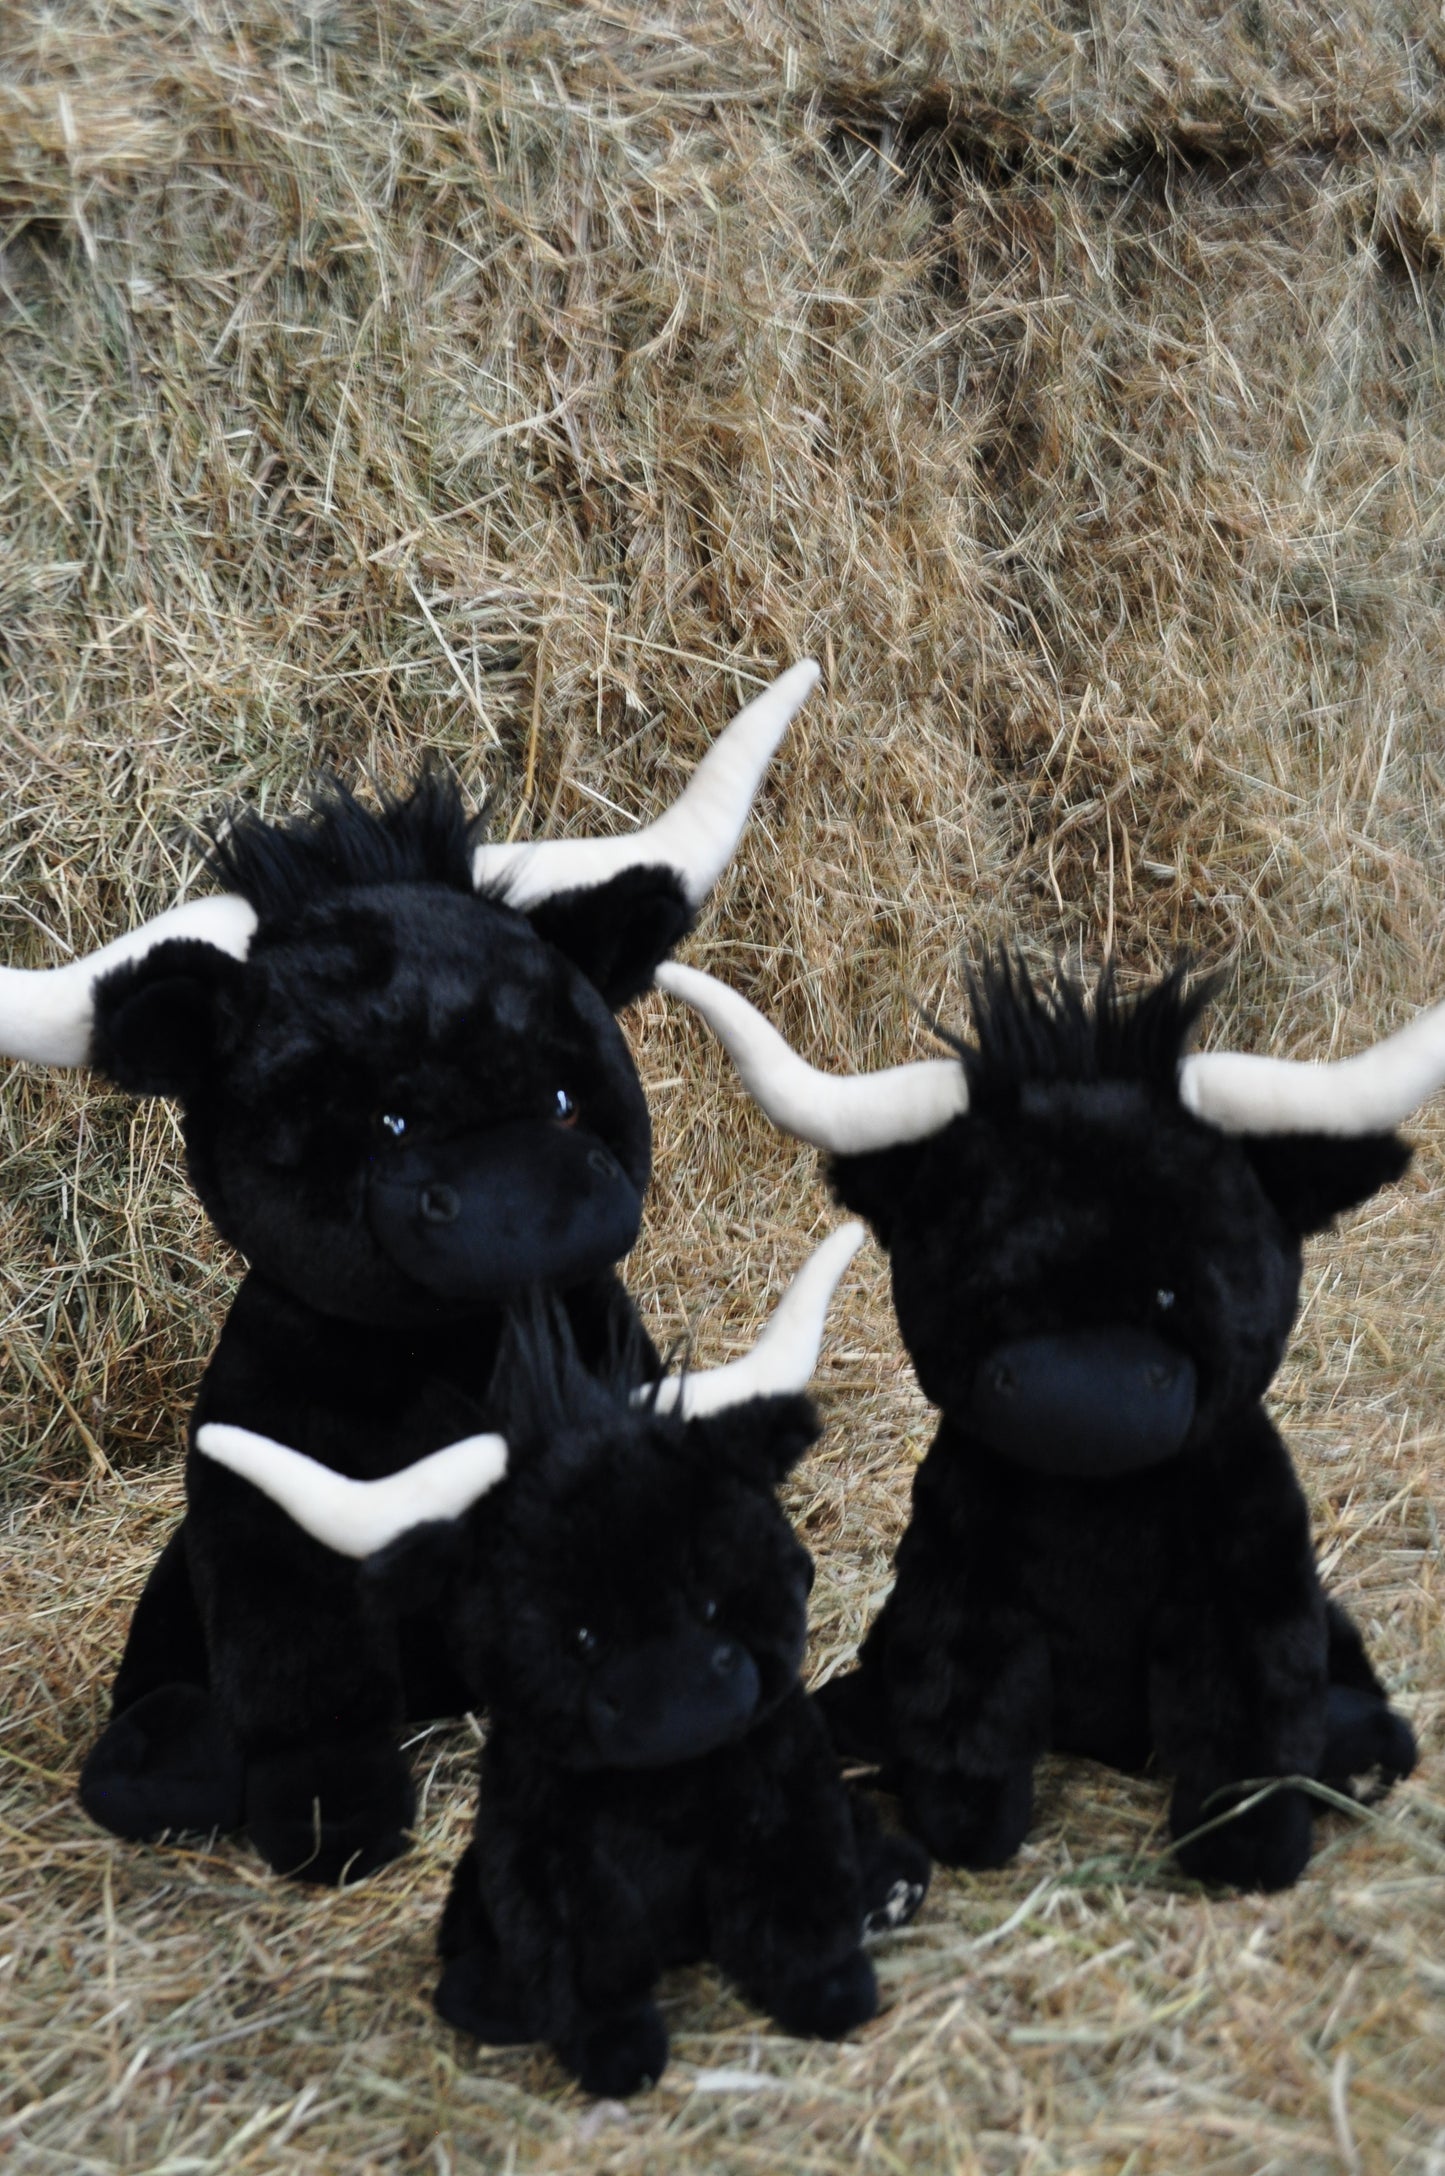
[[529, 383]]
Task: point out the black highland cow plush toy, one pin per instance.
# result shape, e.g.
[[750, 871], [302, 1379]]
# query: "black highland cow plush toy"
[[1095, 1245], [405, 1101], [656, 1787]]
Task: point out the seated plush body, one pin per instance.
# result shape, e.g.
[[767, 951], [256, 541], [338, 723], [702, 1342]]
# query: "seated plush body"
[[656, 1786], [405, 1100], [1095, 1245]]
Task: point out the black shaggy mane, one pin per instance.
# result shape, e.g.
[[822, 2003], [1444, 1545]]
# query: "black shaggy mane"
[[421, 837], [1027, 1035], [541, 1387]]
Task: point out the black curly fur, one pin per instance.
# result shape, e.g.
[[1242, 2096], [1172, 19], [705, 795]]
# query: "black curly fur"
[[424, 836], [1025, 1035]]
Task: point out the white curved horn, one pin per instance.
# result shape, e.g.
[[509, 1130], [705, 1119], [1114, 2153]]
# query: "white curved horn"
[[785, 1354], [356, 1518], [1372, 1092], [698, 835], [848, 1114], [46, 1012]]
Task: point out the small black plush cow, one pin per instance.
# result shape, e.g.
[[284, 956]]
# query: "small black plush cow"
[[656, 1787], [1095, 1245], [405, 1100]]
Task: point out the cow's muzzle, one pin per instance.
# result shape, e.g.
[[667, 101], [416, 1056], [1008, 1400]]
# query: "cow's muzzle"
[[529, 1203], [671, 1699], [1086, 1402]]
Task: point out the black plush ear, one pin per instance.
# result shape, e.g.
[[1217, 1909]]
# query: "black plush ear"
[[763, 1438], [410, 1570], [873, 1186], [157, 1019], [1312, 1177], [620, 931]]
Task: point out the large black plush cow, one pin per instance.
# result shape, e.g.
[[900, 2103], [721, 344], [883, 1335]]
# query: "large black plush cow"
[[656, 1785], [1095, 1246], [405, 1100]]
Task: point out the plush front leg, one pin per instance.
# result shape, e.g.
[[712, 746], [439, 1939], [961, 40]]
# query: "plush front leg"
[[967, 1820], [1267, 1847], [1237, 1670], [477, 1992], [784, 1892], [960, 1666], [166, 1765], [334, 1812], [618, 2055], [827, 2003]]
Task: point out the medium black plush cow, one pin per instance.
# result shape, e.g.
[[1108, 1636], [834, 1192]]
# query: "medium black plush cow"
[[1095, 1245], [656, 1786], [405, 1100]]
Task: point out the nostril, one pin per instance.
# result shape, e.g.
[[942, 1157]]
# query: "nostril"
[[440, 1204], [599, 1161], [726, 1657], [1005, 1382]]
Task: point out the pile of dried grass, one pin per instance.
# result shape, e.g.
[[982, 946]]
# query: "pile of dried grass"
[[528, 382]]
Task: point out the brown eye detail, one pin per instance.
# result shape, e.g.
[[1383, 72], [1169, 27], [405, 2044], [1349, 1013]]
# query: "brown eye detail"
[[564, 1110], [393, 1123]]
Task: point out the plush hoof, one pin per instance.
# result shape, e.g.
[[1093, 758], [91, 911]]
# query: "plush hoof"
[[973, 1821], [166, 1766], [332, 1814], [853, 1710], [1367, 1745], [895, 1882], [828, 2004], [620, 2055], [474, 1994], [1266, 1848]]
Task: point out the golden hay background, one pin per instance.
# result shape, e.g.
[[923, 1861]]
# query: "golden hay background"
[[529, 383]]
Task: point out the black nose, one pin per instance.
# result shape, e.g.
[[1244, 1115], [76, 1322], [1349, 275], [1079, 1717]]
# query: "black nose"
[[440, 1204]]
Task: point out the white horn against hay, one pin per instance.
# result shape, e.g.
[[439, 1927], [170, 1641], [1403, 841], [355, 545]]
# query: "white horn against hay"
[[356, 1518], [785, 1354], [849, 1114], [1373, 1092], [697, 836], [46, 1012]]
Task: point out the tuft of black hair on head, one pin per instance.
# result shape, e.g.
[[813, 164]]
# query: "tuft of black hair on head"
[[1063, 1033], [540, 1384], [421, 837]]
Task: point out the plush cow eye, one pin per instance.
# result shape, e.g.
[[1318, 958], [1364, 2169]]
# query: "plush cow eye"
[[564, 1110], [584, 1640], [1163, 1300], [392, 1122]]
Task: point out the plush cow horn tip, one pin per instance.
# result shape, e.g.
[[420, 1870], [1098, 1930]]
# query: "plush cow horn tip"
[[848, 1115], [695, 838], [786, 1351]]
